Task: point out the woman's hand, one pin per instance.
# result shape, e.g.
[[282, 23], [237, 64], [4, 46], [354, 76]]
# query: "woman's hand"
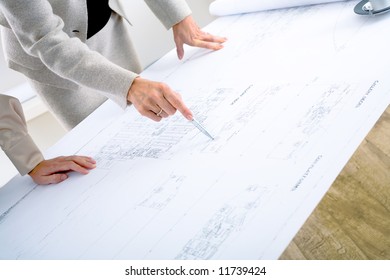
[[188, 32], [156, 100], [54, 170]]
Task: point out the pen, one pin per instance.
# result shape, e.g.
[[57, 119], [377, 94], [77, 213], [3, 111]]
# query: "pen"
[[201, 128]]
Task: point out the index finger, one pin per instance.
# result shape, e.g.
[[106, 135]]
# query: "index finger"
[[66, 166], [207, 45], [177, 102], [86, 162], [212, 38]]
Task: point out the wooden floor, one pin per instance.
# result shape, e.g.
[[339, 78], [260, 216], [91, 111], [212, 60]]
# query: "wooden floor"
[[352, 221]]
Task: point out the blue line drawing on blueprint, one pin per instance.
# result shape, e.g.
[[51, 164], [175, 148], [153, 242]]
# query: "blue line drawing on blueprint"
[[225, 223], [311, 126], [162, 194]]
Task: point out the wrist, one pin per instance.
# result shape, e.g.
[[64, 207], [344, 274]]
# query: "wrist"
[[131, 89]]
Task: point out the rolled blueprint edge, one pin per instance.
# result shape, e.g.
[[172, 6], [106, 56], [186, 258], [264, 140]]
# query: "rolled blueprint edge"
[[231, 7]]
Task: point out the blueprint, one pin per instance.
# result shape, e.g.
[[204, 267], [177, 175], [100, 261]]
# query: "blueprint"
[[289, 100]]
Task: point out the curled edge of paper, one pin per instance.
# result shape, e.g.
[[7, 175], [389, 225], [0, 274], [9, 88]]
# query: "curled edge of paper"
[[231, 7]]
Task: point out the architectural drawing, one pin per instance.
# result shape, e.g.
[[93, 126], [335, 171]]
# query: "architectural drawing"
[[287, 103], [229, 219]]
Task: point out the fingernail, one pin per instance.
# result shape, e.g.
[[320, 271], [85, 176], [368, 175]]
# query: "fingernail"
[[63, 177]]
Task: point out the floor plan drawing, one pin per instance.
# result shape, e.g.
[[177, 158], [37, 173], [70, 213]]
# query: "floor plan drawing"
[[288, 101]]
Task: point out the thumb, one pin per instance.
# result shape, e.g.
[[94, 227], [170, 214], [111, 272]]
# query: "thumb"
[[180, 50], [55, 178]]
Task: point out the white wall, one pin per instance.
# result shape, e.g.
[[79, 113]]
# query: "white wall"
[[8, 77], [151, 40]]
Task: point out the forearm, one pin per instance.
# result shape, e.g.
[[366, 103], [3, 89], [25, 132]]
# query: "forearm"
[[24, 155], [169, 12], [42, 34], [14, 138]]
